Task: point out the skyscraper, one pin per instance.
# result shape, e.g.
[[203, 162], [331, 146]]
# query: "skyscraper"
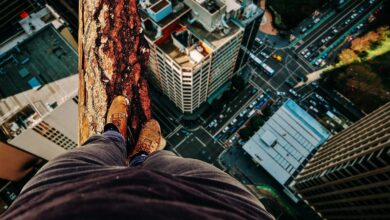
[[38, 87], [251, 27], [349, 176], [194, 46]]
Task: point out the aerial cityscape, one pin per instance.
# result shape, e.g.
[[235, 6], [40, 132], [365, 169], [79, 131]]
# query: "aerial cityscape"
[[290, 98]]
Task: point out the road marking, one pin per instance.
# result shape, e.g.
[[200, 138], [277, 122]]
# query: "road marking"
[[174, 131], [182, 141], [201, 142]]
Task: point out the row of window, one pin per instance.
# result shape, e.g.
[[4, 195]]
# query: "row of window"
[[54, 135]]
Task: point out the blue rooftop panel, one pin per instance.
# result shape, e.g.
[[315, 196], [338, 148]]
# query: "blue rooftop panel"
[[307, 119]]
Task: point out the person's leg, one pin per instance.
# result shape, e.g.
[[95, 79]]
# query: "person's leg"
[[216, 179], [168, 162], [99, 152]]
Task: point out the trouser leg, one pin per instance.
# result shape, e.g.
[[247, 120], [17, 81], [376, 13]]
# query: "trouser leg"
[[98, 152]]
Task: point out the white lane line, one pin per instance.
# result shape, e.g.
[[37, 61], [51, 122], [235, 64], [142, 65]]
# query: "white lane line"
[[201, 142]]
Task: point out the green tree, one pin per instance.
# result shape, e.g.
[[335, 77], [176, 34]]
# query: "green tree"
[[256, 122], [238, 82], [267, 111], [245, 133], [363, 54], [374, 45]]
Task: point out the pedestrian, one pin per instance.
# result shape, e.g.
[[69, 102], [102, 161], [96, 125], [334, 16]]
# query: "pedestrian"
[[95, 181]]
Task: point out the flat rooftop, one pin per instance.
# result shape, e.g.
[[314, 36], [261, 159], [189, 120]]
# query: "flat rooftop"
[[213, 39], [178, 56], [284, 142], [169, 18], [40, 59]]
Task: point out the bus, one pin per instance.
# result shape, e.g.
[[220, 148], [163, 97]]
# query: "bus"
[[268, 70]]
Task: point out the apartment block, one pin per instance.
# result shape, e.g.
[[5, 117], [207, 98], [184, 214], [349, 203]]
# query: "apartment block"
[[349, 176], [194, 46], [38, 88]]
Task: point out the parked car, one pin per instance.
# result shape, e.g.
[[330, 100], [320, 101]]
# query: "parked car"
[[225, 129], [252, 104], [233, 122], [292, 92], [231, 141]]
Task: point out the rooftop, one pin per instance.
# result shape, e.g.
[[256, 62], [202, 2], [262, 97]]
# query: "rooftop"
[[213, 39], [40, 59], [285, 141]]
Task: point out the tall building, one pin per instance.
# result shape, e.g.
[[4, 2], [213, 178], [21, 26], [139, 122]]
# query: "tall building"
[[68, 10], [285, 142], [38, 88], [349, 176], [251, 25], [11, 12], [194, 46]]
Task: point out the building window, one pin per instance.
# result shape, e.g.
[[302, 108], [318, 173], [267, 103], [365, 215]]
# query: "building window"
[[54, 136]]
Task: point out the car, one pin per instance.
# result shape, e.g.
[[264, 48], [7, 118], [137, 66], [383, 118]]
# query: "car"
[[225, 129], [251, 113], [316, 20], [292, 92], [280, 93], [243, 113], [301, 78], [313, 109], [258, 40], [334, 30], [213, 123], [307, 54], [318, 62], [313, 102], [290, 83], [303, 30], [233, 122], [264, 54], [233, 139], [319, 97], [221, 116], [252, 104], [260, 97], [277, 57], [353, 16], [304, 51]]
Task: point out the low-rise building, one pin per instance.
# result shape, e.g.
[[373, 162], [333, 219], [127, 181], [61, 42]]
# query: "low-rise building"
[[286, 141]]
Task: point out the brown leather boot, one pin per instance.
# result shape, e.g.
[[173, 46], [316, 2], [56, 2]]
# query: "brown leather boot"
[[150, 139], [118, 113]]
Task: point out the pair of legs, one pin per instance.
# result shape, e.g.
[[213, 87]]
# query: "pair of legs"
[[108, 152]]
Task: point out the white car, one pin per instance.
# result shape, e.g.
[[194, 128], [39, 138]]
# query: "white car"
[[293, 92], [307, 54], [243, 113], [314, 109], [233, 122], [234, 138], [280, 93], [316, 20], [225, 129], [264, 54], [318, 62], [252, 104]]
